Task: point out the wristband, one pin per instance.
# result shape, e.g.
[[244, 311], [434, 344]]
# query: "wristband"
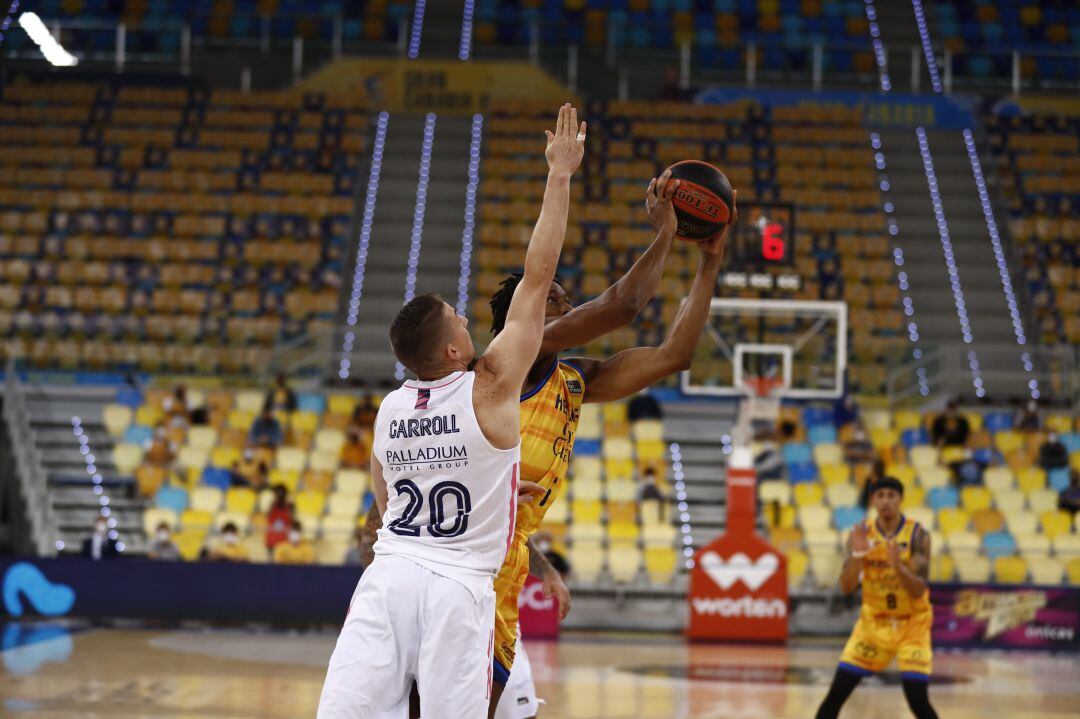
[[859, 555]]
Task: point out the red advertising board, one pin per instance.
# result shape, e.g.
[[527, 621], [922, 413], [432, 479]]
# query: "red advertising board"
[[537, 614], [738, 586]]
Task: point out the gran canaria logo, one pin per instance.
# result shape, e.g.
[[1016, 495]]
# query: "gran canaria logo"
[[1001, 611]]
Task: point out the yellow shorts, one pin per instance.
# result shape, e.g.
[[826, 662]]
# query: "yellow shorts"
[[876, 640], [508, 584]]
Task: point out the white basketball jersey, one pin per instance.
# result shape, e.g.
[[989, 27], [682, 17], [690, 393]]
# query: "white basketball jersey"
[[452, 496]]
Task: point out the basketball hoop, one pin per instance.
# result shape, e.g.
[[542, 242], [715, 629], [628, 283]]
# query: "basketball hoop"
[[763, 397]]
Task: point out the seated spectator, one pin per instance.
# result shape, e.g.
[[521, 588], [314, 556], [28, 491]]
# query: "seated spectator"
[[356, 454], [644, 406], [266, 431], [237, 478], [296, 549], [354, 556], [1053, 453], [248, 464], [177, 410], [280, 397], [100, 545], [161, 451], [279, 517], [845, 411], [950, 428], [968, 471], [1027, 419], [229, 548], [1069, 498], [163, 549], [859, 449], [542, 541], [366, 411], [649, 490]]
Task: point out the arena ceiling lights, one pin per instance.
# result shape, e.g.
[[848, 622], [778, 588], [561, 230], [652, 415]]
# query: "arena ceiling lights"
[[50, 47]]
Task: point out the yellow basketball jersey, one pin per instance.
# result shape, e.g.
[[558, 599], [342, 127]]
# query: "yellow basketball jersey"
[[882, 592], [549, 419]]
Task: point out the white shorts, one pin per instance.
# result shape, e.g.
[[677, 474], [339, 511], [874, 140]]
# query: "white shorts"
[[519, 697], [405, 624]]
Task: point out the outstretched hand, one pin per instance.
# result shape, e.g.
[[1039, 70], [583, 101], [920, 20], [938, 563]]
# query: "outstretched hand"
[[658, 202], [860, 539], [566, 146], [717, 244]]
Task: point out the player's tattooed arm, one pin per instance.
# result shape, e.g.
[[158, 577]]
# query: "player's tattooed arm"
[[368, 534], [554, 586], [914, 574], [856, 547]]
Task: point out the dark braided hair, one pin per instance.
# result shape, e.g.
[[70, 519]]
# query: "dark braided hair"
[[500, 301]]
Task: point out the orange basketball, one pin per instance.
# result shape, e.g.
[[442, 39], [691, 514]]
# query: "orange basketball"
[[704, 201]]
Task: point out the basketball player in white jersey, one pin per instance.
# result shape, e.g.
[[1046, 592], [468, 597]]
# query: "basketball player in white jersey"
[[444, 471]]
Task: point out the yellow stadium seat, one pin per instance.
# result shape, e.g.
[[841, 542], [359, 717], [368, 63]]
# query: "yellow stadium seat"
[[1007, 441], [834, 473], [193, 520], [127, 458], [786, 538], [192, 458], [618, 469], [942, 567], [202, 437], [975, 498], [648, 430], [148, 415], [808, 493], [341, 404], [659, 535], [329, 440], [343, 505], [1067, 545], [310, 525], [1060, 423], [117, 418], [985, 521], [826, 566], [973, 569], [1074, 460], [660, 564], [820, 540], [240, 419], [1032, 544], [224, 457], [621, 490], [952, 519], [922, 515], [311, 503], [189, 544], [250, 400], [290, 459], [1055, 522], [558, 513], [975, 421], [264, 499], [876, 419], [618, 448], [154, 516], [779, 515], [904, 472], [331, 551], [907, 419], [351, 481], [1010, 570], [304, 421], [624, 563], [208, 499], [963, 541], [290, 478], [586, 468], [797, 564], [338, 526], [1072, 571], [586, 511], [589, 423], [998, 478], [322, 460], [828, 454], [931, 477], [650, 451], [587, 489], [256, 548], [240, 519], [1009, 501], [775, 491], [586, 561], [1031, 479], [914, 496], [240, 499], [1021, 522], [923, 456], [1046, 570], [614, 413], [884, 439], [842, 495], [949, 455], [1042, 500], [148, 479]]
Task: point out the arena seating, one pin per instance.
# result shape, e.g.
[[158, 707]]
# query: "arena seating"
[[1008, 529], [1034, 154], [599, 517], [769, 155], [718, 31], [170, 229]]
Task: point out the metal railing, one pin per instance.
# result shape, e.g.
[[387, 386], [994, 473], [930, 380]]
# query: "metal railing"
[[29, 468]]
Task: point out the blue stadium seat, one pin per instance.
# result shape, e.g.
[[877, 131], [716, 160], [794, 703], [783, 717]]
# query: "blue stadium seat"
[[817, 415], [798, 453], [131, 397], [999, 544], [997, 421], [172, 498], [138, 434], [217, 477], [822, 434], [1058, 479], [311, 403], [915, 436], [1071, 441], [799, 473], [587, 448], [847, 517], [943, 497]]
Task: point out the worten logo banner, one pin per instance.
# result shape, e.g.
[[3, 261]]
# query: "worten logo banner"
[[738, 586]]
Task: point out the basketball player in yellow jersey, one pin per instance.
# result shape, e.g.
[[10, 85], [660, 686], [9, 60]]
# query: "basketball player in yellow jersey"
[[891, 558]]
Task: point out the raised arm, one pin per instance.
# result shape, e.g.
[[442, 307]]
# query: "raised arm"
[[622, 301], [913, 575], [511, 354], [632, 370], [855, 548]]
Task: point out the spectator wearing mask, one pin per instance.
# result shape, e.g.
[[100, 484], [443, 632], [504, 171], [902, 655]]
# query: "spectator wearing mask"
[[266, 431], [1069, 498], [163, 549], [161, 451], [279, 517], [650, 491], [950, 428], [229, 548], [280, 397], [100, 545], [859, 449], [644, 406], [1027, 419], [356, 453], [1053, 454], [295, 549]]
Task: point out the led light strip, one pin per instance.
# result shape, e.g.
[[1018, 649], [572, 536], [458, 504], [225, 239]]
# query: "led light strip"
[[49, 46], [470, 214], [879, 46], [927, 45], [366, 221], [684, 509], [5, 24], [465, 47], [418, 220], [95, 476], [898, 259], [999, 257], [417, 29], [950, 259]]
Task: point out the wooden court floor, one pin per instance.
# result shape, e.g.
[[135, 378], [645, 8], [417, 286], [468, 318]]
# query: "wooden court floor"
[[138, 674]]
